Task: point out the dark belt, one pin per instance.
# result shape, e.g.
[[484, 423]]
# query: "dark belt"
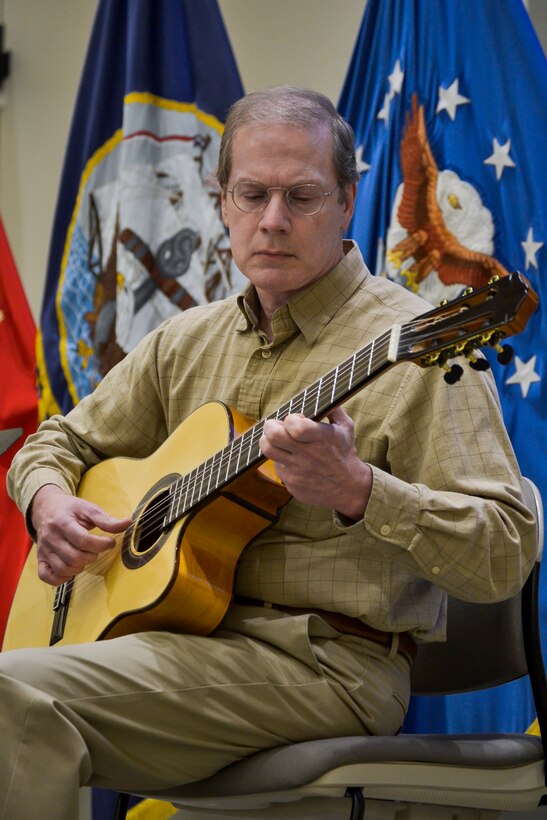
[[345, 624]]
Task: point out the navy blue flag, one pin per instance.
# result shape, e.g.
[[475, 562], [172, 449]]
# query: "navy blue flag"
[[138, 233], [449, 105]]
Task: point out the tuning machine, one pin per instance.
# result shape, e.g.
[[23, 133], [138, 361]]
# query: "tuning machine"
[[505, 353], [478, 364], [453, 373]]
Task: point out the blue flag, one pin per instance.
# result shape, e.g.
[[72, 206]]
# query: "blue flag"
[[448, 101], [137, 234]]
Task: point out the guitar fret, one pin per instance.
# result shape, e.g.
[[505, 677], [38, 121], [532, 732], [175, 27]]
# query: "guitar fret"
[[191, 488], [234, 456], [312, 392], [174, 503], [211, 475], [202, 473], [334, 383], [224, 471], [239, 449], [352, 370], [319, 384], [370, 358], [255, 446], [184, 486]]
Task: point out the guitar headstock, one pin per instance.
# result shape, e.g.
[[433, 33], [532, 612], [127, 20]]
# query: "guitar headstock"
[[477, 318]]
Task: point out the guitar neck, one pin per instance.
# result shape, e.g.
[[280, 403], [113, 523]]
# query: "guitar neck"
[[314, 402]]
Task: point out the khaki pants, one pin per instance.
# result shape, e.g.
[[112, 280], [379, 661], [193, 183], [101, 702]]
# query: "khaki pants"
[[152, 710]]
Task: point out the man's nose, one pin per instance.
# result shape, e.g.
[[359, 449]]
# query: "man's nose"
[[276, 214]]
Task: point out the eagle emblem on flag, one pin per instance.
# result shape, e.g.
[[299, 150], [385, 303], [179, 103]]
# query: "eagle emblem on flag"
[[440, 227]]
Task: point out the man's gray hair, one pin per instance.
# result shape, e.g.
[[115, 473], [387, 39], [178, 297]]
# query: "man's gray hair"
[[299, 107]]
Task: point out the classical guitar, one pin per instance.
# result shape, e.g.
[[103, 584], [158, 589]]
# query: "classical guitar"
[[197, 504]]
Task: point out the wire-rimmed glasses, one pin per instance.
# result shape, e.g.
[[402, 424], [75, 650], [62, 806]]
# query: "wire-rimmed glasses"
[[306, 199]]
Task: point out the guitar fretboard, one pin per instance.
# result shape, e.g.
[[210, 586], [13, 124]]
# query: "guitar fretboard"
[[314, 402]]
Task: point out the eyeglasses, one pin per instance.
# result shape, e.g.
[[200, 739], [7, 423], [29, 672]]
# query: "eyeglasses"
[[304, 200]]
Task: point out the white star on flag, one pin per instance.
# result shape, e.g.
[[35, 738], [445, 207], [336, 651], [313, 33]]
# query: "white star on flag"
[[362, 166], [500, 157], [383, 114], [530, 249], [525, 375], [396, 79], [395, 84], [450, 98]]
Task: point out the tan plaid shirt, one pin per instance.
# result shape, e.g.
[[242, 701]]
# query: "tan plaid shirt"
[[446, 511]]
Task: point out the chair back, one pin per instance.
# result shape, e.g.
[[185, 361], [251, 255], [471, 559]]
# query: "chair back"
[[484, 648]]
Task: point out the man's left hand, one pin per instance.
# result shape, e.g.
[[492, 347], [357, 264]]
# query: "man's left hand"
[[318, 462]]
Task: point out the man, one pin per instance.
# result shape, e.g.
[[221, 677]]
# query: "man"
[[408, 491]]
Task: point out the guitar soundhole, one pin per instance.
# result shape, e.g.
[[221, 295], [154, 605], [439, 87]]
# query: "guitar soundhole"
[[148, 531], [146, 536]]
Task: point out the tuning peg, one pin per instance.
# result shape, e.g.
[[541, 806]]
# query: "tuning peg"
[[505, 353], [453, 374], [478, 364]]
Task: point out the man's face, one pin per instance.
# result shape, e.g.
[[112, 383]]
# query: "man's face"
[[279, 251]]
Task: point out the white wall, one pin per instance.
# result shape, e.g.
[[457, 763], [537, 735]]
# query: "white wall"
[[47, 40], [302, 42]]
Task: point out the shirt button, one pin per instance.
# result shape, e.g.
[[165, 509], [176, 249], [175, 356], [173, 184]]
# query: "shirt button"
[[435, 570], [266, 354], [385, 529]]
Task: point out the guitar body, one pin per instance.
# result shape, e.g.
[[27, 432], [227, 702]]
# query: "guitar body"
[[179, 578]]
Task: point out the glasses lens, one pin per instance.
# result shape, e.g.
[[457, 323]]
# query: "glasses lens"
[[249, 197], [305, 199]]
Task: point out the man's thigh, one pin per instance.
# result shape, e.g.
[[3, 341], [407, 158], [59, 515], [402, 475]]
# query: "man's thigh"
[[156, 709]]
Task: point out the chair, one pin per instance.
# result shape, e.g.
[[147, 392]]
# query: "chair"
[[487, 645]]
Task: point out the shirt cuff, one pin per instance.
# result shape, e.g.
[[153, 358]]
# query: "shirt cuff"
[[391, 514], [35, 481]]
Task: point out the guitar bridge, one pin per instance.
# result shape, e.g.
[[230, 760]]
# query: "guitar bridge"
[[60, 611]]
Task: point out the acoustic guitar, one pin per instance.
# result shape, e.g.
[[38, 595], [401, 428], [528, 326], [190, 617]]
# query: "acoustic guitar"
[[197, 504]]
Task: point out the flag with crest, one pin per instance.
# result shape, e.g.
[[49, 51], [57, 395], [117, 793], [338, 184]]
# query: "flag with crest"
[[18, 409], [137, 234], [448, 103]]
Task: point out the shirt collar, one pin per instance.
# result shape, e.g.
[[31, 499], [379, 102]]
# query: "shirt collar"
[[313, 308]]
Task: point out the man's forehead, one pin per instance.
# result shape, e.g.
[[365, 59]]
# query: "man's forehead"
[[257, 141], [283, 132]]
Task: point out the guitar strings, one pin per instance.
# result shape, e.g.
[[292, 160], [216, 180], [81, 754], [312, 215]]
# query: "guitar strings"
[[200, 478]]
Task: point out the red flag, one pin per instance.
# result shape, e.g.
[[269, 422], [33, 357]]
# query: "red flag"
[[18, 416]]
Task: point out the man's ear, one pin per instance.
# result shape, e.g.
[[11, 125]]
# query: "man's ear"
[[350, 192], [224, 209]]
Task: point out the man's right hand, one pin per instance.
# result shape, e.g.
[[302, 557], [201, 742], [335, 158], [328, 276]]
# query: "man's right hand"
[[62, 523]]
